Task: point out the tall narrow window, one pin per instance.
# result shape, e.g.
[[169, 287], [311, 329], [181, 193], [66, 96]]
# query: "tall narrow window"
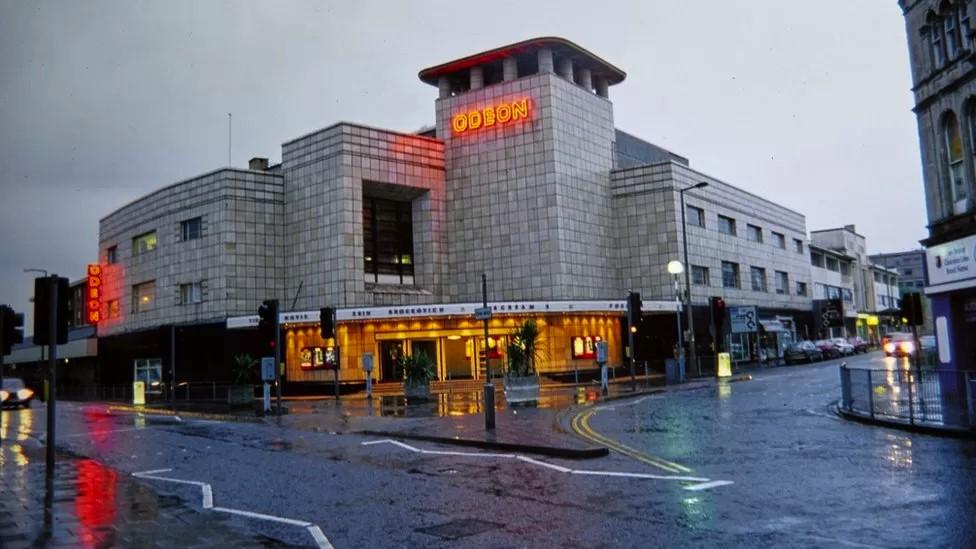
[[951, 26], [938, 45], [963, 12], [387, 241], [758, 279], [782, 282], [956, 181], [730, 274], [112, 255]]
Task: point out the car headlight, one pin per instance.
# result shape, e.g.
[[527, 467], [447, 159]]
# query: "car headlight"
[[24, 394], [4, 395], [889, 347], [907, 347]]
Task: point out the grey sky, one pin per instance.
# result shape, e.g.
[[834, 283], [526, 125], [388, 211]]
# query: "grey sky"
[[805, 103]]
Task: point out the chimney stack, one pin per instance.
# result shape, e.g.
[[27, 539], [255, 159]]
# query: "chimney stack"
[[258, 164]]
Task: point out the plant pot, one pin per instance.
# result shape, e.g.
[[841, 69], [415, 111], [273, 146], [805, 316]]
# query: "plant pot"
[[240, 395], [416, 391], [522, 389]]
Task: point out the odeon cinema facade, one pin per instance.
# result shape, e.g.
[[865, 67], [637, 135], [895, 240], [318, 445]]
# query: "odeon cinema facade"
[[394, 230]]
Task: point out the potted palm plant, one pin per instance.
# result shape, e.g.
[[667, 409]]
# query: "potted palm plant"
[[241, 392], [521, 378], [418, 370]]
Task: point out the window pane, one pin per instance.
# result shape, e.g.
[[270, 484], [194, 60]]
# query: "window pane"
[[143, 296], [758, 279], [111, 255], [798, 245], [191, 228], [782, 282], [144, 243], [699, 275], [387, 241], [754, 233], [726, 225], [780, 240], [730, 274]]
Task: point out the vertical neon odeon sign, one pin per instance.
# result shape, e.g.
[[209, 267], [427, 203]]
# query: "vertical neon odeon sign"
[[93, 298], [491, 116]]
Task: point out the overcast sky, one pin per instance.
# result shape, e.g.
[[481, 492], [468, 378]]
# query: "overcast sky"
[[805, 103]]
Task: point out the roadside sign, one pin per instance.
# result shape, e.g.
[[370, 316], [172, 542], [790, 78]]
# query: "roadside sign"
[[138, 393], [482, 313], [743, 319], [267, 368]]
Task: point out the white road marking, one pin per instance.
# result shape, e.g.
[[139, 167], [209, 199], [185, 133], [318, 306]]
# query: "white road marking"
[[707, 485], [702, 483], [615, 406], [207, 496]]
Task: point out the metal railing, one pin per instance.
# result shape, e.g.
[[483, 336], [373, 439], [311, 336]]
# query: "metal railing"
[[185, 391], [911, 394]]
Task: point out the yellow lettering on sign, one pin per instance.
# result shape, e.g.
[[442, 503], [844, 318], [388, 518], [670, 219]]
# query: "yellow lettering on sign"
[[492, 115], [520, 109]]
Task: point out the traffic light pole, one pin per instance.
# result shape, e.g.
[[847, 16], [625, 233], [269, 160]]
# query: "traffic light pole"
[[3, 347], [52, 371], [489, 386], [277, 355], [630, 340]]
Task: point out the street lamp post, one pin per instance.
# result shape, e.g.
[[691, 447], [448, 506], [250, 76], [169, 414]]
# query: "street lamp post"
[[692, 353], [675, 268]]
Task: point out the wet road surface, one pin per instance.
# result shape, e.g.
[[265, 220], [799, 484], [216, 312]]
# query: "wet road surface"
[[799, 476]]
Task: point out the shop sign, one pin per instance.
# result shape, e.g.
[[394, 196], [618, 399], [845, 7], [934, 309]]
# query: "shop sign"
[[492, 115], [829, 313], [93, 298], [952, 262], [743, 319]]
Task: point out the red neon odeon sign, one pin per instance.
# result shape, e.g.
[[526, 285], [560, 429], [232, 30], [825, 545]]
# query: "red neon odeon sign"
[[93, 298], [491, 116]]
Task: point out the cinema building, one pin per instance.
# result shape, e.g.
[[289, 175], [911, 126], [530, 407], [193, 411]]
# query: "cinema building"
[[524, 177]]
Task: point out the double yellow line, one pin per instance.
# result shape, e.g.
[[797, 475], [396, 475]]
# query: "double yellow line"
[[581, 426]]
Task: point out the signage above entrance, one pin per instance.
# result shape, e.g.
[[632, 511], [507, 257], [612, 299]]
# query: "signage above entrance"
[[492, 115], [952, 262]]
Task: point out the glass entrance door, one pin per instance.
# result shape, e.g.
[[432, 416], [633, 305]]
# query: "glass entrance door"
[[390, 352], [429, 348]]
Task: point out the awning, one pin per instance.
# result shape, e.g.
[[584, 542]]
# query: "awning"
[[772, 326]]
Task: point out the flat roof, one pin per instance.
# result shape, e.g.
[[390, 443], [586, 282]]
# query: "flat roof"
[[559, 46]]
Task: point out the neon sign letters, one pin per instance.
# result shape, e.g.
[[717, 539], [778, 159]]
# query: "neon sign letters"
[[494, 115], [93, 299]]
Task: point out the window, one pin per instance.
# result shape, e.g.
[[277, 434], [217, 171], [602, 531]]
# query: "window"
[[112, 255], [938, 45], [150, 372], [144, 243], [143, 296], [754, 233], [191, 229], [845, 268], [801, 288], [833, 264], [387, 241], [817, 259], [798, 245], [191, 293], [779, 240], [758, 277], [908, 272], [782, 282], [877, 277], [730, 274], [696, 216], [955, 179], [963, 12], [699, 276], [726, 225], [847, 295], [114, 309], [952, 43]]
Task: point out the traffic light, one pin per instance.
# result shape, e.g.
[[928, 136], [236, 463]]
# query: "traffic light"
[[717, 305], [910, 309], [327, 322], [268, 319], [13, 328], [634, 309], [42, 311]]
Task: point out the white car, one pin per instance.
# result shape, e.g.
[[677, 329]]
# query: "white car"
[[843, 346]]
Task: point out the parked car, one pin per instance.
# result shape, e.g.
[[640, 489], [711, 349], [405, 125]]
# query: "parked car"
[[899, 344], [860, 346], [15, 394], [829, 349], [802, 351], [845, 348]]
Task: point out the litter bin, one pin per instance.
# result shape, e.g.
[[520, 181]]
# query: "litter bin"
[[674, 370]]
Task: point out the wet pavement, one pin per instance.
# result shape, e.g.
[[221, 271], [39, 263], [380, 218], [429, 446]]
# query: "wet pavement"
[[746, 464]]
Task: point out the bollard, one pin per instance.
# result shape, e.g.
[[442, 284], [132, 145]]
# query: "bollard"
[[870, 394]]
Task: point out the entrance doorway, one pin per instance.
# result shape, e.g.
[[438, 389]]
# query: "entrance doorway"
[[390, 353], [429, 348]]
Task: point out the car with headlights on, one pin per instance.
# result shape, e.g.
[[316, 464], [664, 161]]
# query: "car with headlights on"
[[899, 344], [14, 394]]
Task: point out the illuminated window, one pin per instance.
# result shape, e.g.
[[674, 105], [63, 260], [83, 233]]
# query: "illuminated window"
[[143, 243], [699, 276], [387, 241], [191, 229], [754, 233], [114, 309], [112, 255], [758, 277], [191, 293], [730, 274], [955, 181], [782, 282], [726, 225], [696, 216], [143, 296], [779, 240]]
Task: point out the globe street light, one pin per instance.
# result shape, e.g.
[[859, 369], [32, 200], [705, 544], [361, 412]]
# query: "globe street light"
[[692, 354], [675, 268]]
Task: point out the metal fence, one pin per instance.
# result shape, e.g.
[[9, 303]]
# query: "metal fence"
[[185, 391], [911, 394]]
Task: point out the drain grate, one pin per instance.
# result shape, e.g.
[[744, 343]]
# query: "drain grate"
[[457, 529]]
